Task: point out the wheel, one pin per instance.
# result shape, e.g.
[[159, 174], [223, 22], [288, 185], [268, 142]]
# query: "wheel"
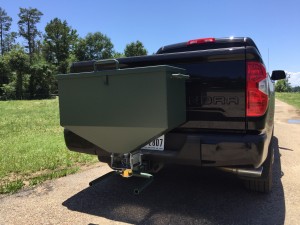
[[263, 184]]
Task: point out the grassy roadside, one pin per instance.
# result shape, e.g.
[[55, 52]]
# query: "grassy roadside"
[[32, 147], [292, 98]]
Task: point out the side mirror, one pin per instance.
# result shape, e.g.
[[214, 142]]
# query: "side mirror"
[[278, 75]]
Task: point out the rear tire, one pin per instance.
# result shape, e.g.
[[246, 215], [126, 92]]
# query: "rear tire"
[[263, 184]]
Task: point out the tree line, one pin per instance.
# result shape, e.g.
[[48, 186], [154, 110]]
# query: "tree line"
[[285, 86], [28, 71]]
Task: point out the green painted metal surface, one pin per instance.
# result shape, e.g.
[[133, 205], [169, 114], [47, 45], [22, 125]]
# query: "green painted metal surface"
[[122, 110]]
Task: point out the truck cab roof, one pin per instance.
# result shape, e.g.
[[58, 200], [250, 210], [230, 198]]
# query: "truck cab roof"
[[206, 44]]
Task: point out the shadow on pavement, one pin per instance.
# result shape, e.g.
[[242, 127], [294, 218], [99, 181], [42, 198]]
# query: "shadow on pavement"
[[184, 195]]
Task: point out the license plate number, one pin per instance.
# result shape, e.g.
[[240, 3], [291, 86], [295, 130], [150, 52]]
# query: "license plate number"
[[157, 144]]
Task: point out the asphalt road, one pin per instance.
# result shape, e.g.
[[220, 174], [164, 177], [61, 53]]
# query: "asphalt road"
[[178, 195]]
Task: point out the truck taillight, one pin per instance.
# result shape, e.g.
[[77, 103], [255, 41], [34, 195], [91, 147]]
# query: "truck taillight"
[[257, 89], [201, 41]]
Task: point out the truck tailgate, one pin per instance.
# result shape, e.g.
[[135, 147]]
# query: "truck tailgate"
[[215, 91]]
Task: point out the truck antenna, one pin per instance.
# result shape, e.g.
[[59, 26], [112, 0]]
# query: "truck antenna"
[[268, 62]]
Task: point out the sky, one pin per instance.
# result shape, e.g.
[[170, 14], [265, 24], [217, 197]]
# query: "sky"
[[274, 25]]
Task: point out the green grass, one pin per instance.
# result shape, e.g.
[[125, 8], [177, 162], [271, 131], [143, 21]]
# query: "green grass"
[[292, 98], [32, 147], [11, 187]]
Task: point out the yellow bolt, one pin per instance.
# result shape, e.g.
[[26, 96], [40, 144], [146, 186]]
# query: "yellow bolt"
[[127, 173]]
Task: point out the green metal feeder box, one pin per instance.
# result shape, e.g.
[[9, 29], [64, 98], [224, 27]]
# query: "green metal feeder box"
[[123, 109]]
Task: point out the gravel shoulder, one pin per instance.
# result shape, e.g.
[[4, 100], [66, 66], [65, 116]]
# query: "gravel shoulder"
[[178, 195]]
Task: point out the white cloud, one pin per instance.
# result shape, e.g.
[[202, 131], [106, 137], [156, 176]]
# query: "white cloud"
[[294, 78]]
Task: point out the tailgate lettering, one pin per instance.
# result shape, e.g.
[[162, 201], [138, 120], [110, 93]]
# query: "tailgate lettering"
[[212, 100]]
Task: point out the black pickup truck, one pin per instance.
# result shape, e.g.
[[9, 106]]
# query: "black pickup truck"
[[229, 110]]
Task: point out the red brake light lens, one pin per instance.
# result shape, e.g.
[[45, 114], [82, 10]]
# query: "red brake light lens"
[[257, 89], [201, 41]]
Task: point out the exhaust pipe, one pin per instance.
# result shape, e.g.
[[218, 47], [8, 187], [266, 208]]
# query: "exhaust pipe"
[[243, 172]]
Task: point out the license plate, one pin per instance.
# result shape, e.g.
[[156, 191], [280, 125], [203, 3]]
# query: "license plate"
[[157, 144]]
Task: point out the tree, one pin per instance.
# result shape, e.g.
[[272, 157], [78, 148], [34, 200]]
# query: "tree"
[[18, 62], [27, 27], [4, 73], [118, 55], [59, 41], [135, 49], [283, 86], [9, 41], [41, 80], [94, 46], [5, 23], [296, 89]]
